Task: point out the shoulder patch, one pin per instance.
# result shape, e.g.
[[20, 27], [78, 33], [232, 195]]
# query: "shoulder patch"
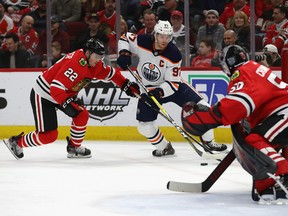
[[235, 75], [82, 62]]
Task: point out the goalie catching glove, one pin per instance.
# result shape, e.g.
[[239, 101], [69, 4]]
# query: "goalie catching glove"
[[198, 118], [72, 107], [130, 88]]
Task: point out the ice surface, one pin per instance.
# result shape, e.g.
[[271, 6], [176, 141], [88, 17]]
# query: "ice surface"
[[122, 178]]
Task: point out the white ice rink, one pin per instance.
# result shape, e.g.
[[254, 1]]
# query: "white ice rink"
[[122, 178]]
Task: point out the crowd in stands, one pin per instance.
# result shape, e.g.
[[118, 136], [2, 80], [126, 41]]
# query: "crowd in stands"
[[214, 24]]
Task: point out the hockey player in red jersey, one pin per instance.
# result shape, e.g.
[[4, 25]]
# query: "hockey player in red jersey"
[[257, 97], [57, 88], [160, 70]]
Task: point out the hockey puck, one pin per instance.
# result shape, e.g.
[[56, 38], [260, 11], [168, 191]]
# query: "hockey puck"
[[204, 164]]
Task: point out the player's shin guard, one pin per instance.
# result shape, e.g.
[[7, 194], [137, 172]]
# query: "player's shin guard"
[[156, 138], [78, 128]]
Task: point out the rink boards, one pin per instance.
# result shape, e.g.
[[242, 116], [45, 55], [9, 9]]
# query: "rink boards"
[[112, 112]]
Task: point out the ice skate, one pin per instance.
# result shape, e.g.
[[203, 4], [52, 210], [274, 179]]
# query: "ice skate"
[[168, 150], [214, 146], [12, 145], [275, 195], [77, 152]]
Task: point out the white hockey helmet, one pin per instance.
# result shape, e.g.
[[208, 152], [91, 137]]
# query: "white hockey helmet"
[[163, 27]]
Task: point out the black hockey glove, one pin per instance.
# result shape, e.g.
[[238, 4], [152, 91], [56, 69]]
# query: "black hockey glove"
[[158, 93], [130, 88], [124, 59], [72, 107]]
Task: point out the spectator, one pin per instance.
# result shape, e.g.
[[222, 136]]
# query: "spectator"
[[241, 26], [16, 13], [228, 13], [178, 35], [90, 7], [68, 10], [39, 16], [92, 31], [130, 10], [229, 38], [212, 30], [266, 18], [270, 56], [14, 56], [57, 35], [108, 16], [27, 35], [205, 56], [169, 6], [6, 23], [55, 53], [277, 33], [149, 21]]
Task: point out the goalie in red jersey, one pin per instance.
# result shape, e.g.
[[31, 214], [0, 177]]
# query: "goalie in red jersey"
[[258, 98], [57, 88]]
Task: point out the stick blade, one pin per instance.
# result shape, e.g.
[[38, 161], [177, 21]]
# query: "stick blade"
[[184, 187]]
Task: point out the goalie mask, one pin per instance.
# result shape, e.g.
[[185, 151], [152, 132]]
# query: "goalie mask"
[[164, 28], [232, 57]]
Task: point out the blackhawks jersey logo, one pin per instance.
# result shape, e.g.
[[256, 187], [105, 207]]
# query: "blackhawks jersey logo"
[[81, 84], [82, 62], [235, 75]]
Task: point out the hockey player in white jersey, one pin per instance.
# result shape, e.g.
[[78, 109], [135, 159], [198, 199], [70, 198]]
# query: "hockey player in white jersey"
[[159, 68]]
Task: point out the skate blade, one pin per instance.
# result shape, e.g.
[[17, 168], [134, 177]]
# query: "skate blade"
[[273, 202], [78, 156], [6, 142]]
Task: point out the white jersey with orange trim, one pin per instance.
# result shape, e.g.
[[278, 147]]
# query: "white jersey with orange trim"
[[156, 68]]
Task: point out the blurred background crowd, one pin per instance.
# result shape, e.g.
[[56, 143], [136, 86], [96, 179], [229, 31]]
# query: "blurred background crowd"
[[212, 24]]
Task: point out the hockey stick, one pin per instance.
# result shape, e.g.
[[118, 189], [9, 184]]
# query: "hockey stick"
[[185, 135], [209, 181]]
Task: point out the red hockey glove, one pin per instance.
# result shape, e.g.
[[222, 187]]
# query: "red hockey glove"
[[198, 119], [72, 108], [130, 88]]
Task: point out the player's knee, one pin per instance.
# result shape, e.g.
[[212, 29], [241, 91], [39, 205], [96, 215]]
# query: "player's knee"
[[147, 129], [82, 118], [48, 136], [254, 139]]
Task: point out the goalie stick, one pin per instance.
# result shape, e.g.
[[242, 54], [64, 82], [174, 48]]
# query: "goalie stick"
[[165, 115], [209, 181]]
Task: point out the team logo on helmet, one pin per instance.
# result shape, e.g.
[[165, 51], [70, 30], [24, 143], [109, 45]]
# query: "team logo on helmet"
[[151, 72]]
